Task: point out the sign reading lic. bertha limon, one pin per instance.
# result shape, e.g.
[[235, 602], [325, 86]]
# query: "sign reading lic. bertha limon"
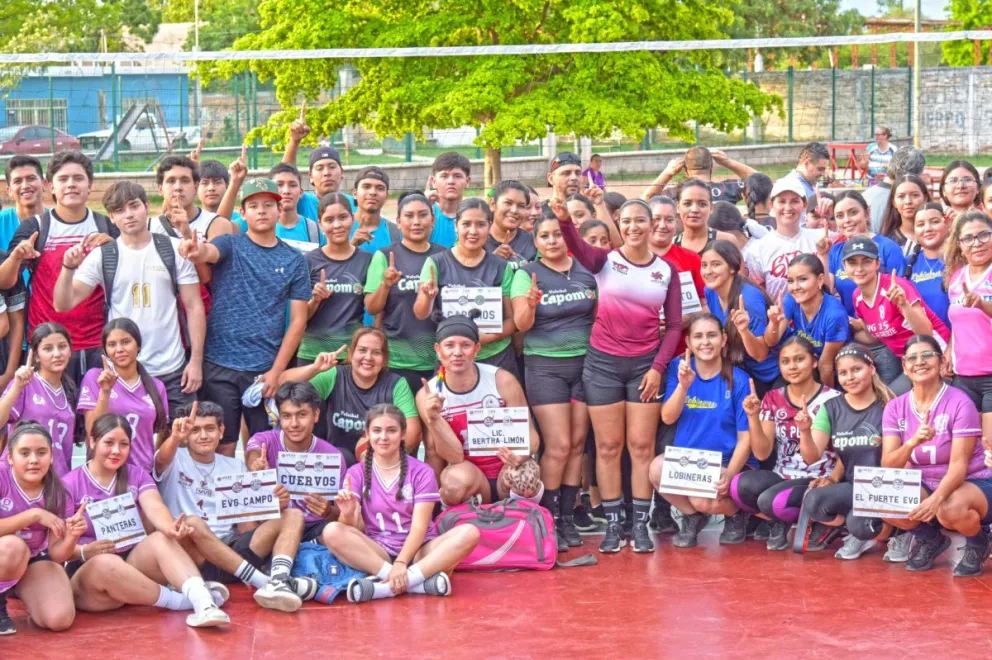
[[310, 474], [690, 472], [463, 299], [245, 497], [116, 519], [492, 428], [885, 492]]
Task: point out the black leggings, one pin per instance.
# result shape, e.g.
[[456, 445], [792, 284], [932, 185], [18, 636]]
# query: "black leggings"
[[766, 492], [825, 503]]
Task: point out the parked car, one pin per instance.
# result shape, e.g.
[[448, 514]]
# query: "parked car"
[[146, 135], [33, 139]]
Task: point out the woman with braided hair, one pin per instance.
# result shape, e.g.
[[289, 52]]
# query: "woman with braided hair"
[[385, 524]]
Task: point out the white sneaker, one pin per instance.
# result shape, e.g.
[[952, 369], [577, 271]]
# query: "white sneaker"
[[278, 595], [209, 617], [899, 548], [220, 593], [853, 548]]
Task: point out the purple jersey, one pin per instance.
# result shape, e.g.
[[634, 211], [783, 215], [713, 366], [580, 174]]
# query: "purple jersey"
[[953, 416], [387, 520], [136, 407], [13, 501], [47, 406], [82, 486], [274, 445]]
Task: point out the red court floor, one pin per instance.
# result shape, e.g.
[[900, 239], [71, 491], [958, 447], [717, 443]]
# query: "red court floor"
[[706, 602]]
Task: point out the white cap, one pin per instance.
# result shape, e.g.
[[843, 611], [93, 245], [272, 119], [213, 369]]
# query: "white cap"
[[788, 184]]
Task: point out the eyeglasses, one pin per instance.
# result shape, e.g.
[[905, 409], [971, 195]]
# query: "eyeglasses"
[[919, 357], [964, 181], [981, 238]]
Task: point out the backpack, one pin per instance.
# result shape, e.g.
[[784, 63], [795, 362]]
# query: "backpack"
[[514, 535], [313, 231], [103, 225], [332, 575]]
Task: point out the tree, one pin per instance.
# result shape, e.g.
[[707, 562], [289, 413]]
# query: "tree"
[[972, 15], [511, 98], [221, 21]]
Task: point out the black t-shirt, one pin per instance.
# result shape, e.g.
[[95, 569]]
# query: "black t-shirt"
[[347, 405], [337, 317], [856, 435], [522, 244]]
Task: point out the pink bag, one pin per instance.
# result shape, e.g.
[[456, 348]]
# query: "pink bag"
[[514, 535]]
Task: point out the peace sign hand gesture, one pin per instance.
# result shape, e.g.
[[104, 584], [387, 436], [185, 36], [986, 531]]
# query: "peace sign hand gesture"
[[972, 299], [327, 361], [182, 427]]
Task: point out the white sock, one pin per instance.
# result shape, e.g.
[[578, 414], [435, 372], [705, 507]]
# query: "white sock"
[[251, 575], [382, 590], [281, 567], [384, 571], [414, 578], [172, 600], [198, 594]]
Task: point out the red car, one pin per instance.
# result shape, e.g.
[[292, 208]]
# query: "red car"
[[34, 139]]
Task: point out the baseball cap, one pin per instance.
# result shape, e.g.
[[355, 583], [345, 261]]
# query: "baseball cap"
[[565, 158], [260, 186], [788, 184], [859, 246], [322, 153]]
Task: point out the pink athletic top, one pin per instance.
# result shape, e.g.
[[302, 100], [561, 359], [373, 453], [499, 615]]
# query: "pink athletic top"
[[971, 327], [631, 300], [885, 321]]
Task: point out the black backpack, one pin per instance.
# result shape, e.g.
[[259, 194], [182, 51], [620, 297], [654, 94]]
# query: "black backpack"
[[103, 225]]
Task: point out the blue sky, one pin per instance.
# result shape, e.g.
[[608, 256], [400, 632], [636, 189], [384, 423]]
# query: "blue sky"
[[931, 8]]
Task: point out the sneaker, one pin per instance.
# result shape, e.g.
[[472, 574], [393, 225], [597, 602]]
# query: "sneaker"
[[304, 587], [278, 594], [925, 552], [762, 531], [898, 548], [583, 521], [973, 559], [853, 548], [208, 617], [613, 540], [820, 536], [438, 585], [360, 590], [641, 538], [569, 531], [691, 526], [778, 536], [560, 541], [734, 529], [661, 520], [220, 592], [598, 513], [6, 623]]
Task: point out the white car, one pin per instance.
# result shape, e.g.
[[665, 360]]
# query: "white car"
[[146, 135]]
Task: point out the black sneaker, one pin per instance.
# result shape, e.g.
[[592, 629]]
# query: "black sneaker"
[[598, 513], [560, 538], [925, 552], [973, 559], [734, 529], [760, 530], [566, 525], [641, 538], [6, 623], [661, 519], [691, 526], [583, 521], [820, 536], [778, 536], [613, 540]]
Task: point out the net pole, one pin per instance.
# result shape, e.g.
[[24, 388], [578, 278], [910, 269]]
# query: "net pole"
[[792, 82], [917, 78]]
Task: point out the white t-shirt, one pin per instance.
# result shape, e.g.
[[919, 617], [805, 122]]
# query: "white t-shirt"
[[142, 292], [200, 224], [767, 259], [188, 487]]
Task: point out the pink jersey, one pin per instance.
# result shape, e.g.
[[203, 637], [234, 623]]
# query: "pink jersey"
[[274, 444], [776, 407], [485, 394], [971, 327], [953, 416], [632, 300], [387, 519], [14, 501], [136, 407], [885, 321], [83, 487], [47, 406]]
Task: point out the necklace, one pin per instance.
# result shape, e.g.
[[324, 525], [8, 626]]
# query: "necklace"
[[567, 273], [932, 266], [387, 467], [205, 473]]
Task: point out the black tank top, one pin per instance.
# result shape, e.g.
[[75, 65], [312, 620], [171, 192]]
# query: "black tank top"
[[346, 406], [710, 237]]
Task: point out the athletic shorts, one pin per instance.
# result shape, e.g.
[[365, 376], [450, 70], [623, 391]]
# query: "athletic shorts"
[[241, 544], [312, 531], [506, 360], [610, 379], [978, 389], [493, 490], [553, 380], [984, 485], [73, 566]]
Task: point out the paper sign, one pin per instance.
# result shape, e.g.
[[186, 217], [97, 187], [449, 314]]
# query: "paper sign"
[[492, 428], [487, 299], [245, 497], [690, 297], [690, 472], [885, 492], [302, 246], [310, 474], [116, 519]]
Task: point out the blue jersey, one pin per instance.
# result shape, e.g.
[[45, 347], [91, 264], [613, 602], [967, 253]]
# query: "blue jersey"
[[889, 253], [754, 302], [308, 205], [444, 229], [830, 323], [714, 412], [928, 277]]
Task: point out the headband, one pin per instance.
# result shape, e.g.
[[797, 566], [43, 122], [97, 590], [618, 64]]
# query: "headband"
[[854, 350], [457, 326]]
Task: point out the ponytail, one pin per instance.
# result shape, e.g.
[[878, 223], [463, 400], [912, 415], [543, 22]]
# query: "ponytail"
[[161, 415]]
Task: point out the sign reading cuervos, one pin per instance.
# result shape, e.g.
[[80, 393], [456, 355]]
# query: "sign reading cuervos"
[[310, 474]]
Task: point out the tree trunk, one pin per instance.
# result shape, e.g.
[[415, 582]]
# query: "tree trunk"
[[493, 168]]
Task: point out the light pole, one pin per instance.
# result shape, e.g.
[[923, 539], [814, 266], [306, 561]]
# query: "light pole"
[[196, 48], [917, 77]]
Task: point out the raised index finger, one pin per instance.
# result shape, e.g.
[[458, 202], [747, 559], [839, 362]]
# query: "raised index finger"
[[106, 363], [687, 356], [244, 153], [392, 260], [192, 412], [30, 361], [754, 392], [303, 111]]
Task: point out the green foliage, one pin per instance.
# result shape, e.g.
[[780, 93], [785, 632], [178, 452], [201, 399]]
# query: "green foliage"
[[973, 15], [511, 98]]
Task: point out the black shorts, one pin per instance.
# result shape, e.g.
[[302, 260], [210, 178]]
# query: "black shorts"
[[241, 544], [41, 556], [610, 379], [312, 531], [506, 360], [553, 380], [493, 490], [73, 566], [978, 389]]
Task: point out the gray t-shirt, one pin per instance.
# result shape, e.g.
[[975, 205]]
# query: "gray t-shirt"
[[877, 198]]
